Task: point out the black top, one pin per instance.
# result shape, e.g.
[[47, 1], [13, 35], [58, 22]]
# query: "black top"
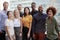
[[21, 14], [34, 12]]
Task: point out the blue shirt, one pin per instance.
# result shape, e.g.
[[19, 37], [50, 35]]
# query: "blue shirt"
[[3, 17], [38, 23]]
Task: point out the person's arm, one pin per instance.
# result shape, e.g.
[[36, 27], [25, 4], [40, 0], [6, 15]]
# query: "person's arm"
[[21, 26], [8, 32], [7, 25], [30, 26], [0, 23], [33, 25], [56, 27]]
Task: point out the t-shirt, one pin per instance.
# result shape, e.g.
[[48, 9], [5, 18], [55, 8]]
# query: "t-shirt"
[[16, 22], [10, 25], [26, 20]]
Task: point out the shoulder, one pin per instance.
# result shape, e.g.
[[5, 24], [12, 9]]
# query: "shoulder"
[[2, 13], [35, 15], [20, 18], [36, 11], [6, 20], [44, 14], [30, 16], [54, 19]]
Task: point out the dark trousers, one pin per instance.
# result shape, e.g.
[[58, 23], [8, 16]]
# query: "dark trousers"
[[50, 39], [31, 35], [39, 36], [2, 35], [17, 33], [25, 32]]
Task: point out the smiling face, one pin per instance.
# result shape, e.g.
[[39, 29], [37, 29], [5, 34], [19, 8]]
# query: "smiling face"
[[5, 5], [33, 6], [19, 7], [27, 11], [10, 15], [50, 13], [40, 9], [16, 13]]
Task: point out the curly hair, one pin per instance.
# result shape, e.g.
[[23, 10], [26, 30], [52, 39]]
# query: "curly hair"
[[53, 10]]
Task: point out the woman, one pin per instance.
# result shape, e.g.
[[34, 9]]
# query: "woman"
[[52, 28], [17, 25], [10, 26], [27, 20]]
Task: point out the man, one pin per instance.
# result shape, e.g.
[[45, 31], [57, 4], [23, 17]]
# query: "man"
[[3, 17], [33, 6], [38, 24], [19, 8], [33, 12]]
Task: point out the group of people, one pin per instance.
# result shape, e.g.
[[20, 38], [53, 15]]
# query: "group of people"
[[28, 25]]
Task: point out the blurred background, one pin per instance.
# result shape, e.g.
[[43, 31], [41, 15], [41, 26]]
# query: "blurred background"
[[45, 3]]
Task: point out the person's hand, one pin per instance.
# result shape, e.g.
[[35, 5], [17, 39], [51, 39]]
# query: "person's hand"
[[59, 36], [0, 32], [28, 35], [33, 35], [20, 34], [14, 37]]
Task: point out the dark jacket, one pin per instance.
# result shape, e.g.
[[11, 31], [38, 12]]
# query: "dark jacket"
[[34, 12], [21, 14]]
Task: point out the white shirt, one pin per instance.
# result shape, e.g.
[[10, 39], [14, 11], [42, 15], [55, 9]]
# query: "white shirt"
[[16, 22], [10, 25]]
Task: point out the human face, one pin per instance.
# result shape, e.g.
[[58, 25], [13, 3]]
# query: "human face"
[[19, 7], [33, 6], [40, 9], [27, 11], [16, 13], [10, 15], [5, 6], [50, 13]]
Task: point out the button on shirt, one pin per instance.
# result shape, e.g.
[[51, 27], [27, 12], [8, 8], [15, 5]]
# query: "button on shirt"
[[38, 23], [3, 17]]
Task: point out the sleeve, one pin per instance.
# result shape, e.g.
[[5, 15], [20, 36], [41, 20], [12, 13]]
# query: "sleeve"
[[56, 26], [6, 23], [0, 16], [30, 19], [22, 20]]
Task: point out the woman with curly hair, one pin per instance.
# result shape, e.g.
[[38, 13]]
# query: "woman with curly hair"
[[52, 27]]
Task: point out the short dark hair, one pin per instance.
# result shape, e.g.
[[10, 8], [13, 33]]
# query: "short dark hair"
[[25, 9], [19, 4], [5, 3], [53, 10], [8, 12], [33, 3]]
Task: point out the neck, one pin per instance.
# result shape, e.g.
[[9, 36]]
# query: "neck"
[[19, 10], [50, 17], [5, 9], [33, 9], [9, 18], [16, 17]]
